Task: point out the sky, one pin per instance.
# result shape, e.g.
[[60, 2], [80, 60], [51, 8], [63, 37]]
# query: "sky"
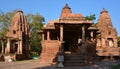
[[51, 9]]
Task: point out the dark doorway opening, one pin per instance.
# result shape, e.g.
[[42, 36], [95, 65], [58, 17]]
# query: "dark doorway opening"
[[16, 47], [71, 40]]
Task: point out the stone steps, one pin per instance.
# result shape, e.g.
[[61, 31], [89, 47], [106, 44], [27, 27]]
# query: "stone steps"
[[74, 60]]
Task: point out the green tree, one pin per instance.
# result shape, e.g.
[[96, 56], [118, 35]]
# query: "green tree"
[[119, 41], [5, 19], [91, 17], [36, 24]]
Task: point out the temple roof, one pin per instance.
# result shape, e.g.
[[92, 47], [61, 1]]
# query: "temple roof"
[[105, 24], [67, 13], [50, 25], [67, 17], [18, 24], [104, 19]]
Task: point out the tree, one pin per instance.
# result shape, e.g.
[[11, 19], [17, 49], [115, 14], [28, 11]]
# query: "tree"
[[36, 24], [5, 19], [119, 41], [91, 17]]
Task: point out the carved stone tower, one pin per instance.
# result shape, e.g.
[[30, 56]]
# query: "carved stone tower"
[[108, 32], [18, 35]]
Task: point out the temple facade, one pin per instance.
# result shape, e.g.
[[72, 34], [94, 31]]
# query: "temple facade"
[[107, 40], [108, 32], [18, 35], [77, 39]]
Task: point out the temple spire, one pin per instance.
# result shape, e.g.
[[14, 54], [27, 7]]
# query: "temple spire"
[[66, 7], [104, 19], [65, 11], [104, 11]]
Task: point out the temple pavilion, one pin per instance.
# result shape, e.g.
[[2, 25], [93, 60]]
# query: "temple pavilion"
[[79, 40]]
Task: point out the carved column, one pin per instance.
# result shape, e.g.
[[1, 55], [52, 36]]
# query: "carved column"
[[20, 47], [8, 45], [61, 49], [61, 32], [2, 41], [83, 40], [103, 42], [91, 34], [43, 37], [61, 38], [83, 33], [48, 35], [115, 42]]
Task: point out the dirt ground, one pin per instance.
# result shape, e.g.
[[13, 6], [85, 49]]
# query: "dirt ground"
[[35, 64]]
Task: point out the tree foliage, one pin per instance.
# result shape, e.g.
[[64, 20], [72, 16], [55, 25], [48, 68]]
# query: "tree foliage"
[[36, 24], [91, 17], [5, 19]]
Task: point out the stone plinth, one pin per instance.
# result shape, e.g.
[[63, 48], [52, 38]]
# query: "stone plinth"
[[115, 51], [49, 51]]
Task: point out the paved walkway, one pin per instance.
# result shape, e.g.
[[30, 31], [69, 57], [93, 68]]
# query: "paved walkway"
[[34, 64]]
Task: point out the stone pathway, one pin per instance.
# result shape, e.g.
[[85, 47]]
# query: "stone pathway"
[[34, 64]]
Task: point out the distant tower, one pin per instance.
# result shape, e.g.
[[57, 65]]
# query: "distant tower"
[[108, 32], [18, 35]]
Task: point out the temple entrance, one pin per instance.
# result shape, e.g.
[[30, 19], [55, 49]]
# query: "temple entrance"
[[13, 47], [71, 41], [16, 47]]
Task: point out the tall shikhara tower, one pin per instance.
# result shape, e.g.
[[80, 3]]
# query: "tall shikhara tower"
[[18, 35], [108, 32]]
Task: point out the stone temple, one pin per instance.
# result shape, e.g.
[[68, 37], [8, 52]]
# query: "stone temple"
[[18, 44], [78, 40]]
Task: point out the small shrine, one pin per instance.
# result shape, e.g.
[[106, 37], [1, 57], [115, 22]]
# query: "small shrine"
[[17, 38]]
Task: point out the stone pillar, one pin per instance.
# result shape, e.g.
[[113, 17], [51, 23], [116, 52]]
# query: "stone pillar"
[[91, 34], [48, 35], [2, 41], [83, 33], [115, 42], [20, 48], [103, 43], [83, 40], [43, 37], [8, 46], [61, 50], [61, 32]]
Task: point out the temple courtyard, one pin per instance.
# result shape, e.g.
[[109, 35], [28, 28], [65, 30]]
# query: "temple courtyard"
[[35, 64]]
